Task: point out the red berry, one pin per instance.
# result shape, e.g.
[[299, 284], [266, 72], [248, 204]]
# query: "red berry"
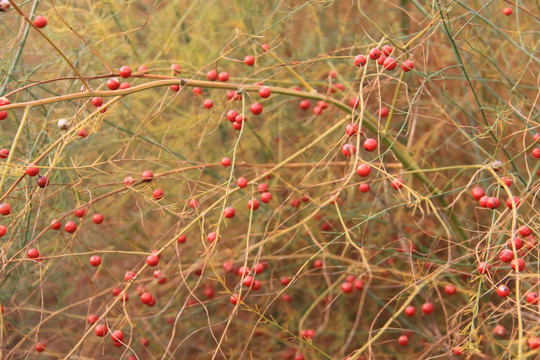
[[254, 204], [397, 183], [363, 170], [477, 193], [380, 60], [147, 175], [428, 308], [125, 85], [410, 311], [158, 194], [113, 83], [499, 331], [407, 65], [517, 264], [295, 202], [208, 104], [235, 298], [318, 264], [3, 115], [364, 187], [384, 112], [358, 285], [212, 75], [509, 202], [5, 209], [503, 291], [517, 242], [146, 298], [32, 253], [97, 101], [506, 255], [144, 342], [387, 50], [97, 218], [32, 170], [223, 76], [256, 108], [117, 336], [483, 201], [211, 237], [533, 343], [458, 350], [129, 275], [317, 110], [264, 92], [403, 340], [450, 289], [83, 133], [348, 150], [262, 188], [507, 11], [55, 224], [40, 22], [266, 197], [125, 71], [242, 182], [42, 181], [229, 212], [265, 47], [390, 63], [484, 268], [70, 227], [194, 203], [248, 280], [92, 319], [524, 231], [225, 162], [175, 88], [532, 298], [347, 287], [95, 260], [304, 104], [181, 239], [536, 153], [175, 68], [197, 91], [80, 212], [152, 260], [3, 230], [4, 153], [370, 144], [374, 54], [353, 102], [249, 60], [360, 60], [40, 347], [493, 203], [351, 129]]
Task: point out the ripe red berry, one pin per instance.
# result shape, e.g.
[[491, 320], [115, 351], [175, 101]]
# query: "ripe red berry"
[[509, 202], [503, 291], [125, 85], [533, 343], [264, 92], [248, 280], [532, 298], [175, 88], [370, 144], [225, 162], [83, 133], [97, 101], [397, 183], [380, 60], [212, 75], [211, 237], [304, 104], [5, 209], [364, 187], [353, 102], [536, 153], [317, 264], [223, 76], [158, 194], [506, 255], [428, 308], [3, 230], [458, 350], [95, 260], [363, 170], [80, 212], [55, 224], [407, 65], [113, 83], [266, 197], [32, 253], [484, 268], [92, 319], [40, 347], [507, 11], [263, 187], [242, 182], [181, 239], [410, 310], [517, 242], [360, 60], [347, 287], [499, 331], [249, 60], [403, 340], [517, 264], [40, 22], [32, 170], [125, 71], [235, 298], [208, 104], [129, 275], [387, 50], [70, 227], [524, 231], [146, 298], [229, 212], [254, 204], [42, 181], [351, 129], [493, 202], [317, 110], [117, 336], [256, 108], [197, 91], [97, 218], [390, 63], [450, 289], [374, 54], [147, 175], [4, 153], [175, 68], [477, 193], [348, 150], [152, 260]]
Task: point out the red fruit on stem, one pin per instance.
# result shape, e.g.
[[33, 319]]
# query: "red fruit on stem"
[[370, 144], [360, 60], [125, 71], [249, 60], [97, 219], [70, 227], [113, 84], [374, 54], [40, 22], [95, 260]]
